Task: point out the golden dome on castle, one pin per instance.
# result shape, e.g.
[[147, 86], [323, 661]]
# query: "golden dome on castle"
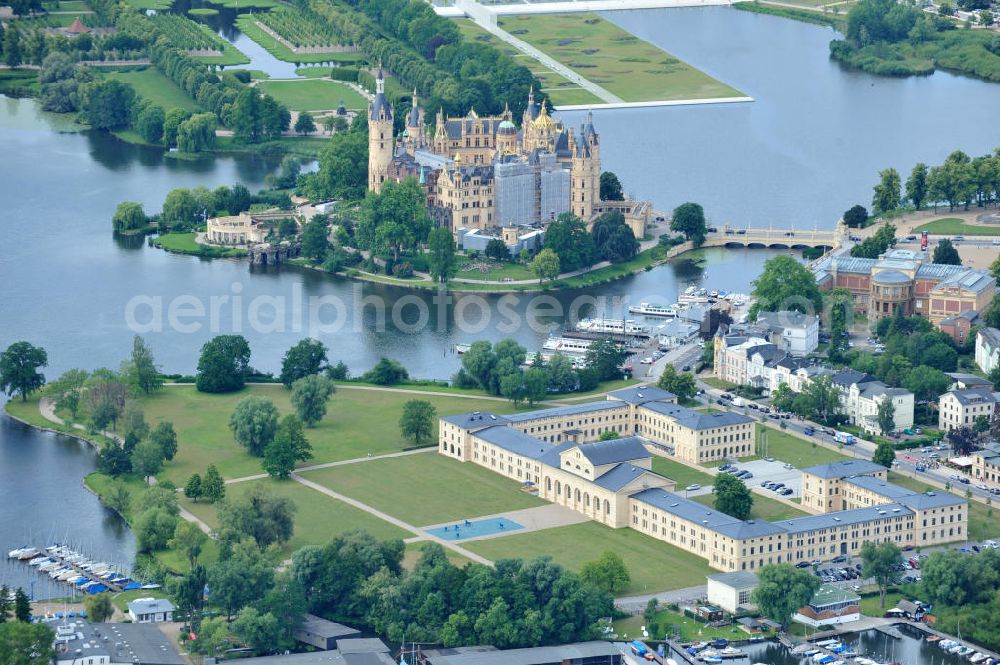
[[544, 121]]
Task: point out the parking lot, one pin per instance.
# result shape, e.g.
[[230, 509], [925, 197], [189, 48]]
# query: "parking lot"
[[763, 471]]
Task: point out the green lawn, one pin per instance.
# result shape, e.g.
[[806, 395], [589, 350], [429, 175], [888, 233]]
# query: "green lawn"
[[248, 26], [983, 522], [159, 5], [150, 84], [682, 473], [561, 91], [313, 94], [358, 422], [690, 630], [794, 450], [318, 517], [951, 226], [764, 508], [653, 565], [184, 243], [469, 268], [616, 60], [426, 489], [871, 607]]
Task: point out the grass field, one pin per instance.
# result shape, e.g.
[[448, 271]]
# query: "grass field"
[[797, 452], [248, 26], [150, 84], [495, 271], [653, 565], [764, 508], [616, 60], [690, 630], [184, 243], [682, 473], [313, 94], [318, 517], [951, 226], [426, 488], [358, 422], [159, 5], [871, 607], [560, 90]]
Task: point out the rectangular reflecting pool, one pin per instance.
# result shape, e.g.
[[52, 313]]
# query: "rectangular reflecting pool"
[[475, 528]]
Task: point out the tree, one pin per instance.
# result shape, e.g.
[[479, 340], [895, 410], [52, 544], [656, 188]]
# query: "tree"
[[213, 488], [394, 220], [785, 284], [417, 420], [309, 397], [24, 643], [561, 375], [22, 606], [732, 496], [885, 454], [117, 497], [879, 561], [158, 496], [887, 192], [237, 581], [613, 238], [12, 47], [679, 383], [149, 124], [288, 447], [343, 169], [304, 359], [545, 265], [19, 366], [876, 244], [114, 460], [606, 357], [536, 384], [259, 630], [141, 372], [497, 250], [197, 133], [607, 573], [305, 124], [886, 416], [441, 257], [386, 372], [315, 238], [99, 607], [782, 589], [164, 436], [254, 422], [223, 364], [193, 489], [129, 216], [689, 219], [611, 188], [189, 539], [147, 459], [567, 237], [821, 399], [856, 217], [963, 440], [107, 103], [926, 383], [288, 173], [171, 122], [916, 185], [946, 253], [154, 529], [259, 514]]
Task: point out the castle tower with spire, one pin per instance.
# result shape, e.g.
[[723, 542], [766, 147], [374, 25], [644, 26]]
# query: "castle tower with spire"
[[380, 141], [585, 171], [413, 134]]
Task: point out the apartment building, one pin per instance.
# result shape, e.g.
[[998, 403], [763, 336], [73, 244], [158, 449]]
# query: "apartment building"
[[822, 486], [986, 464], [988, 349], [960, 408], [794, 332]]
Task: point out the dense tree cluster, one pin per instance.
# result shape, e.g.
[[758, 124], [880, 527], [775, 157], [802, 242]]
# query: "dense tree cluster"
[[515, 604], [965, 592], [877, 243], [959, 181], [785, 284]]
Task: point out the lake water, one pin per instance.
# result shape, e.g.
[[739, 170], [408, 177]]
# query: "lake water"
[[807, 149]]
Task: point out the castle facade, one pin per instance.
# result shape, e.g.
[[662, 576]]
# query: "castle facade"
[[484, 176]]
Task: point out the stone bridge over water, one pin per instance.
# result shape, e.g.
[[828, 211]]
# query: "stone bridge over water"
[[772, 238]]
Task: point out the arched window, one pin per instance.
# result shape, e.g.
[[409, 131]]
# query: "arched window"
[[586, 499], [607, 506], [578, 494]]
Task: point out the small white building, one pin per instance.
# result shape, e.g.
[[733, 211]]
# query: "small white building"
[[731, 591], [151, 610], [960, 408], [988, 349], [830, 606], [795, 332]]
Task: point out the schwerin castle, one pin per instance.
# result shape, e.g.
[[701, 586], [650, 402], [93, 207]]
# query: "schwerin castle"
[[485, 178]]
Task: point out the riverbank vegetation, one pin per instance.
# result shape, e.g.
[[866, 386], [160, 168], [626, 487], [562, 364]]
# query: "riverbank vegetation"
[[618, 61], [887, 38], [834, 20]]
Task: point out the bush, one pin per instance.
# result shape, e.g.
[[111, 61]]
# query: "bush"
[[344, 74], [403, 270]]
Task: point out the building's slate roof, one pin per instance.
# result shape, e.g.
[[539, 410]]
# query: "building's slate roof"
[[515, 441], [581, 651], [642, 394], [741, 579], [475, 419], [615, 450], [697, 420], [843, 518], [973, 396], [844, 468], [568, 410], [621, 475]]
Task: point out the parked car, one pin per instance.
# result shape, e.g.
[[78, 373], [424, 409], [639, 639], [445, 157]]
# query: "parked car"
[[802, 564], [788, 466], [786, 492], [693, 487], [809, 431]]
